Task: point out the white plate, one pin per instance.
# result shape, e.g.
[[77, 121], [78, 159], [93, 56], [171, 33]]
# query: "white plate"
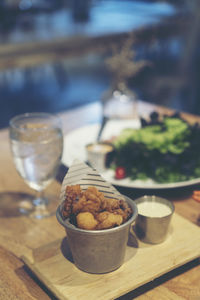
[[74, 148]]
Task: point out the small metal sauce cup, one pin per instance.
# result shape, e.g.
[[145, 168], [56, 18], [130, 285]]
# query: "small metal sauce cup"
[[99, 155], [98, 251], [153, 229]]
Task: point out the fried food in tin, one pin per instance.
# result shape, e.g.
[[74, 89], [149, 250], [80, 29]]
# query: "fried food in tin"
[[107, 220], [92, 211], [90, 200], [86, 220], [72, 194]]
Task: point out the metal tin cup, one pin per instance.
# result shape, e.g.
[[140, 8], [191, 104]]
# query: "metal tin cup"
[[99, 155], [154, 216], [98, 251]]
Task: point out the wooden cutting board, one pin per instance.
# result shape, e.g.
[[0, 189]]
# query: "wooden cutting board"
[[53, 264]]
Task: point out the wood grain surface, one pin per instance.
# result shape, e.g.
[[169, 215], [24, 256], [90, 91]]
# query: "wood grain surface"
[[22, 236], [143, 263]]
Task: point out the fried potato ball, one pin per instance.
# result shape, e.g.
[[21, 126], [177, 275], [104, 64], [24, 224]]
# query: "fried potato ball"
[[108, 220], [86, 220]]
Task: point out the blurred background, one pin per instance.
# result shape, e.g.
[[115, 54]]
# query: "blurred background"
[[53, 53]]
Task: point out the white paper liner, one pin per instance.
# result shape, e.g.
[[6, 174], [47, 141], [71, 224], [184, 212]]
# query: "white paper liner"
[[85, 176]]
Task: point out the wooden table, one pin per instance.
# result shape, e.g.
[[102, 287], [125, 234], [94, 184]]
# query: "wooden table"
[[20, 235]]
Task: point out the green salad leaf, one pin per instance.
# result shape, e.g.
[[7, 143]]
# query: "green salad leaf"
[[166, 151]]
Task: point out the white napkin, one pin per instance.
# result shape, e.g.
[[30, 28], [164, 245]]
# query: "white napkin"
[[85, 176]]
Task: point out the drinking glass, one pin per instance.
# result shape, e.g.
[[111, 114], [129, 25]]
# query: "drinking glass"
[[37, 143]]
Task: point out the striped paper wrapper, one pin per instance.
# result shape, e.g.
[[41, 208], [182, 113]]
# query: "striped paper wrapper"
[[85, 176]]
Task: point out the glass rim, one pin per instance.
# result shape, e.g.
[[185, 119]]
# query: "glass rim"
[[12, 121]]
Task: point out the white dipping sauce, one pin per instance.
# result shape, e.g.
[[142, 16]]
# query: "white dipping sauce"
[[100, 148], [153, 209]]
